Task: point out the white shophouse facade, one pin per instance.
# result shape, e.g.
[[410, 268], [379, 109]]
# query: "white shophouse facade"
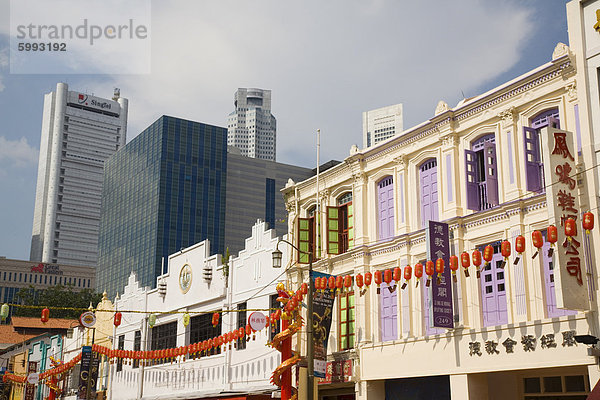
[[510, 340], [240, 371]]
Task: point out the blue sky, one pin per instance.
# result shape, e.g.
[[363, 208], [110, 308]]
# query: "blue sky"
[[325, 62]]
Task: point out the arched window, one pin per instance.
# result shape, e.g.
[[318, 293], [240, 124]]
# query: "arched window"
[[482, 173], [534, 166], [429, 191], [340, 225], [385, 208]]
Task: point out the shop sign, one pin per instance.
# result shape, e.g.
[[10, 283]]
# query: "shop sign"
[[438, 246], [525, 343], [338, 371]]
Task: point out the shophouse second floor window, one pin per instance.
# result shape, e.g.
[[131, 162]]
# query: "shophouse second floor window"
[[201, 328], [385, 208], [340, 225], [346, 322], [241, 323], [137, 346], [429, 191], [482, 174], [164, 336], [120, 346], [308, 242], [534, 166]]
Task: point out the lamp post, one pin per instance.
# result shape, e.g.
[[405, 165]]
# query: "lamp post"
[[310, 349]]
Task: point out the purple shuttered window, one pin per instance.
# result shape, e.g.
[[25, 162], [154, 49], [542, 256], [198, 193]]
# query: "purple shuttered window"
[[389, 313], [534, 166], [493, 291], [385, 195], [429, 192], [482, 174], [551, 310]]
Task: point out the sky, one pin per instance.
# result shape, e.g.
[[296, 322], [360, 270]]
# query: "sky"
[[325, 61]]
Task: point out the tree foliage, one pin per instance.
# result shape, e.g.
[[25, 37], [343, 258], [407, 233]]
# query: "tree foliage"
[[55, 298]]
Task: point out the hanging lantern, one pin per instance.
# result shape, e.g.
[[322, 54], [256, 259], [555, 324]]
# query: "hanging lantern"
[[407, 275], [465, 261], [387, 276], [368, 278], [488, 253], [117, 319], [477, 261], [4, 311], [186, 319], [332, 283], [570, 228], [439, 268], [348, 282], [588, 222], [304, 288], [454, 267], [45, 315], [215, 319], [418, 273], [538, 241], [248, 330], [151, 320], [552, 238], [378, 278], [359, 281], [241, 332], [429, 270], [519, 248], [505, 251], [339, 283], [397, 275]]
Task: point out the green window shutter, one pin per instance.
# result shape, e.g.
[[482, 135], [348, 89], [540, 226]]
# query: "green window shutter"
[[350, 226], [303, 239], [333, 230]]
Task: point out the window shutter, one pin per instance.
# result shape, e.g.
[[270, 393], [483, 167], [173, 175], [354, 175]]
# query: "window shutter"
[[472, 183], [533, 161], [350, 226], [333, 230], [303, 239], [491, 173]]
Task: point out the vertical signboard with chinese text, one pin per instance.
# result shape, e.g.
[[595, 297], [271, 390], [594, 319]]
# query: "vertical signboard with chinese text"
[[438, 246], [29, 388], [322, 313], [562, 196]]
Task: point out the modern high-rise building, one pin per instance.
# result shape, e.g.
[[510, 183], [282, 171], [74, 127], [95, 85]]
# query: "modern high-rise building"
[[79, 133], [381, 124], [251, 127], [175, 185]]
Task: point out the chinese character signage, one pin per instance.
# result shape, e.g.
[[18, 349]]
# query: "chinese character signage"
[[88, 370], [438, 246], [528, 343], [322, 313], [338, 371], [29, 388], [563, 203]]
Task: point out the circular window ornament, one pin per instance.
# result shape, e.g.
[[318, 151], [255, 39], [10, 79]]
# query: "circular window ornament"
[[185, 278]]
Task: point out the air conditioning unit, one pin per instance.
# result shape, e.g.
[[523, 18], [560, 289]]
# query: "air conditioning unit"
[[162, 288]]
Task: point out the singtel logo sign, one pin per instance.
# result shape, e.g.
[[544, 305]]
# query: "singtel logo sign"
[[83, 99]]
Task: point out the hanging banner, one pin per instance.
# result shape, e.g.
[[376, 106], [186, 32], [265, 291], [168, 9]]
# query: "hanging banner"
[[562, 196], [438, 246], [322, 313], [29, 388], [88, 370]]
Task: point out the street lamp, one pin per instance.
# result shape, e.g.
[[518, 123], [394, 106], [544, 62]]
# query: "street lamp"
[[310, 349]]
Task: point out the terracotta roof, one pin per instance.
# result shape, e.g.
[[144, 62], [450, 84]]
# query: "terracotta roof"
[[34, 322], [9, 336]]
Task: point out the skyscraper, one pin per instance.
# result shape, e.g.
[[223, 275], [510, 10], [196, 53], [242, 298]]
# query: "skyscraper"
[[79, 132], [251, 127], [381, 124], [165, 190], [175, 185]]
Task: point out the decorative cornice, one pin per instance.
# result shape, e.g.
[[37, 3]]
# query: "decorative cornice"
[[449, 140]]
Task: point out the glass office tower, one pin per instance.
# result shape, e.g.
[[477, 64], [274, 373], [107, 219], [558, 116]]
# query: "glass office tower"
[[163, 191]]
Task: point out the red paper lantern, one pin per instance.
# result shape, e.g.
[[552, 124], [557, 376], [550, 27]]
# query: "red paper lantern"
[[348, 281], [520, 244], [339, 282], [418, 271], [588, 222], [439, 266], [45, 315], [538, 241], [570, 228], [465, 261], [248, 330], [215, 319], [359, 281], [378, 278], [407, 275], [505, 249], [476, 258], [387, 276], [429, 270], [552, 234], [453, 263], [488, 253], [368, 278], [304, 288], [397, 275], [332, 283], [117, 318]]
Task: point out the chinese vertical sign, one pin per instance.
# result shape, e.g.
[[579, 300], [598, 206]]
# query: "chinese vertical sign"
[[29, 388], [438, 246], [88, 370], [322, 313], [563, 202]]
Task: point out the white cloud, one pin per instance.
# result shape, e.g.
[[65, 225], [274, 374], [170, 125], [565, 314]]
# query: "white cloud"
[[3, 65], [17, 153]]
